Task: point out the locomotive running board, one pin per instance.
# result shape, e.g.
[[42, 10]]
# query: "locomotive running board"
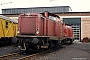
[[50, 37], [54, 37], [30, 36]]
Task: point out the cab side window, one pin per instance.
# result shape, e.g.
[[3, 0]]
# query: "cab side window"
[[6, 24]]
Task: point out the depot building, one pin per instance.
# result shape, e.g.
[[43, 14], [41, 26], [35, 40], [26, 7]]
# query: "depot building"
[[80, 21]]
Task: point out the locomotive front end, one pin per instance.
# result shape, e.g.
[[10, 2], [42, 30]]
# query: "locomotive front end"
[[30, 27]]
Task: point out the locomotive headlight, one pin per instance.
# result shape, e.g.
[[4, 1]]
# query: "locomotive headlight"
[[18, 31], [37, 31]]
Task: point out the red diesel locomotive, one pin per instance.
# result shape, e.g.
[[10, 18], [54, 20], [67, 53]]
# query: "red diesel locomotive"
[[38, 31]]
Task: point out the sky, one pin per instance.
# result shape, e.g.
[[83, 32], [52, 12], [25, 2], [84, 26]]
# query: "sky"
[[76, 5]]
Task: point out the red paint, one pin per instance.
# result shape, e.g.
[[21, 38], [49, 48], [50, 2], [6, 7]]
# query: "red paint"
[[70, 31], [35, 24], [51, 28], [65, 30], [30, 23], [58, 28]]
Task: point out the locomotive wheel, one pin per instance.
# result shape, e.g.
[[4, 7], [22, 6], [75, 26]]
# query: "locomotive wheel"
[[50, 45], [71, 41]]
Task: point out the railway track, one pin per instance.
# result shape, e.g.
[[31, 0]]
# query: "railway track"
[[34, 55], [22, 56], [9, 55], [37, 54], [18, 56]]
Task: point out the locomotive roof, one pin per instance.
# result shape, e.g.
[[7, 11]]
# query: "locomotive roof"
[[9, 19], [51, 14]]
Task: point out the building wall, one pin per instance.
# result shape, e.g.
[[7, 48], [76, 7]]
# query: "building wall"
[[74, 14], [85, 27]]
